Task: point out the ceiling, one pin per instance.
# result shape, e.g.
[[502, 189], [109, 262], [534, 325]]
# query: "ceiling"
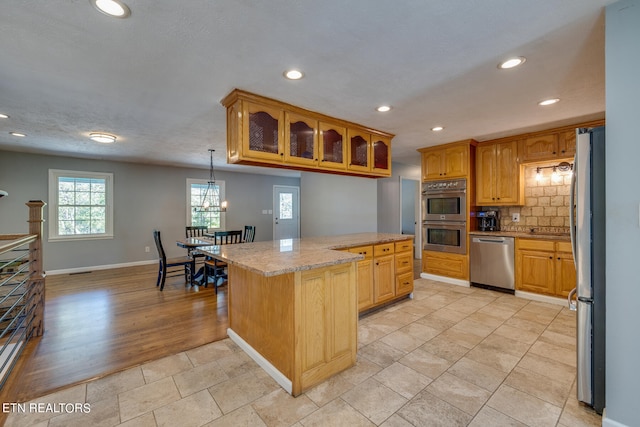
[[156, 78]]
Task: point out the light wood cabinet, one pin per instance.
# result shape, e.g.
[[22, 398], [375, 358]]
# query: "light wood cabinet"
[[358, 150], [303, 323], [540, 147], [384, 284], [445, 264], [552, 146], [544, 267], [380, 154], [365, 276], [301, 136], [327, 335], [565, 269], [332, 145], [499, 175], [265, 132], [567, 144], [385, 273], [445, 161], [404, 267]]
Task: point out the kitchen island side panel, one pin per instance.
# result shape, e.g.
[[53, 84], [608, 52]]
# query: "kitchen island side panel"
[[261, 311]]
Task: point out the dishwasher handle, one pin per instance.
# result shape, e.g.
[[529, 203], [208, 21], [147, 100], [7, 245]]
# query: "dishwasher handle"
[[489, 240]]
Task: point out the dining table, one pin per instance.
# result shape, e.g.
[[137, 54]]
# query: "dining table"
[[193, 243]]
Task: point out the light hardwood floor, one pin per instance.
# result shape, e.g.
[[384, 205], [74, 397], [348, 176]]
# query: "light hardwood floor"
[[106, 321]]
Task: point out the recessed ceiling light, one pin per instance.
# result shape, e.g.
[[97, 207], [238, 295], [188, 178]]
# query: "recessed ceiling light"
[[114, 8], [104, 138], [294, 74], [512, 62], [3, 116], [549, 101], [21, 135], [437, 128], [383, 108]]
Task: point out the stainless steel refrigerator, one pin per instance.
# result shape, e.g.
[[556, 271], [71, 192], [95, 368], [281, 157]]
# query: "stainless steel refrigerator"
[[588, 239]]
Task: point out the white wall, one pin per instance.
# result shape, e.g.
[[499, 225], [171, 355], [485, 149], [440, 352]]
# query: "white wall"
[[389, 196], [337, 204], [145, 197], [623, 204]]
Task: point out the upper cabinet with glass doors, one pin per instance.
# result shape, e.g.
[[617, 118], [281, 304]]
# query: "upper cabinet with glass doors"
[[333, 153], [265, 132], [301, 135]]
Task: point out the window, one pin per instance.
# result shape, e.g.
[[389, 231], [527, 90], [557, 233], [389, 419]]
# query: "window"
[[213, 218], [80, 205]]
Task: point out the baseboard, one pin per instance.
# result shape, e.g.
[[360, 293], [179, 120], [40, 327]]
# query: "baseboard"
[[284, 382], [541, 298], [608, 422], [100, 267], [450, 280]]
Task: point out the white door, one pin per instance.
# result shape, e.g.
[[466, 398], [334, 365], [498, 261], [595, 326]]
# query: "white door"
[[286, 212]]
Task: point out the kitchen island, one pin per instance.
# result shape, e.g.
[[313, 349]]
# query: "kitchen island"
[[293, 304]]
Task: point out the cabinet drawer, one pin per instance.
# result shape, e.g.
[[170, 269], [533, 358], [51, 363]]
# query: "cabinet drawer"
[[407, 245], [383, 249], [404, 284], [367, 251], [564, 247], [536, 245], [404, 262]]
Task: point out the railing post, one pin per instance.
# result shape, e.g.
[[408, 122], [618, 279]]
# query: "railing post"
[[37, 280]]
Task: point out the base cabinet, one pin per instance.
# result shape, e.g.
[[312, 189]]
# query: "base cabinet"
[[365, 276], [385, 273], [444, 264], [304, 324], [544, 267], [325, 310]]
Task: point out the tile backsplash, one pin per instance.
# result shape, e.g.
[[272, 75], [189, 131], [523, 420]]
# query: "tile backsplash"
[[546, 203]]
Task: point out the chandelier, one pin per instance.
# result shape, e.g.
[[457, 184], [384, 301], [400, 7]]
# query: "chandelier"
[[212, 192]]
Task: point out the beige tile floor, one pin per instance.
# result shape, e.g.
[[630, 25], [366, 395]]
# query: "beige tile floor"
[[451, 356]]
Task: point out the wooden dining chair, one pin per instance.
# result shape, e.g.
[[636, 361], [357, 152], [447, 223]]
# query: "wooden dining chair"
[[165, 264], [195, 231], [249, 233], [215, 268]]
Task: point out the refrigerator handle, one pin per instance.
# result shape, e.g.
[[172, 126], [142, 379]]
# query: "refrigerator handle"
[[572, 306], [572, 217]]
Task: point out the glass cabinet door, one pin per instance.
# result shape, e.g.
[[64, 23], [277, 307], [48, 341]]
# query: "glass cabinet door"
[[301, 135], [332, 146], [359, 148], [263, 132], [381, 154]]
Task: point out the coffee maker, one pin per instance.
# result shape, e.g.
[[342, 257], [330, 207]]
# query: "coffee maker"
[[488, 220]]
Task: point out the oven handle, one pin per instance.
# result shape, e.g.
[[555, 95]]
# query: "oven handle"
[[444, 193]]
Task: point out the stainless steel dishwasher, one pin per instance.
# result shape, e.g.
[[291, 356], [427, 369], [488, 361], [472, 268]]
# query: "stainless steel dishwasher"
[[492, 261]]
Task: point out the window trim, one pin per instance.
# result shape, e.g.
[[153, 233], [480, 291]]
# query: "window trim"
[[54, 175], [220, 183]]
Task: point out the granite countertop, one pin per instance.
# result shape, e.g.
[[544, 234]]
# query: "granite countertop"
[[289, 255], [563, 237]]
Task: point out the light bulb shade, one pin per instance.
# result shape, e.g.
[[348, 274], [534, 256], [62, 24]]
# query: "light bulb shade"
[[104, 138]]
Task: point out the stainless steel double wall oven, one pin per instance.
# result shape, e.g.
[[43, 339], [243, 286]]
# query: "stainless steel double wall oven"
[[444, 217]]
